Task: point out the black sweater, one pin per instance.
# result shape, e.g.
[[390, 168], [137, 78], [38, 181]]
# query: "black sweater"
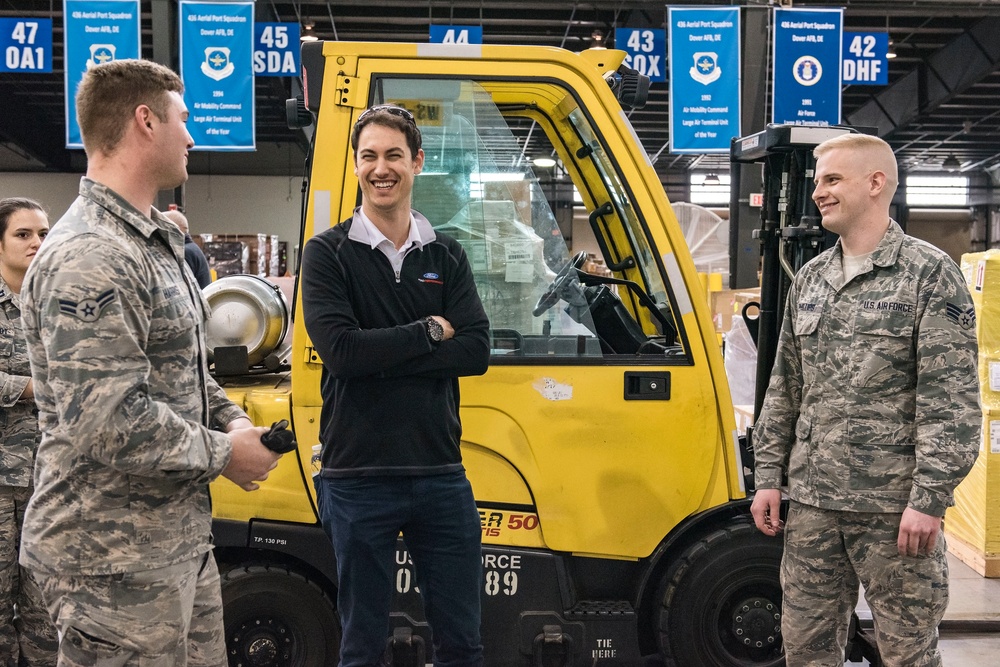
[[390, 396]]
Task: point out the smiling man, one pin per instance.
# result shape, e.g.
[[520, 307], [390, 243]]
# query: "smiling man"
[[872, 412], [392, 310], [133, 428]]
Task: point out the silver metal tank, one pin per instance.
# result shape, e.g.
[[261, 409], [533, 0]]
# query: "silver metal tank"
[[250, 311]]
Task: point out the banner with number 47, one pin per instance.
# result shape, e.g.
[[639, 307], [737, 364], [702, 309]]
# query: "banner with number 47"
[[26, 45]]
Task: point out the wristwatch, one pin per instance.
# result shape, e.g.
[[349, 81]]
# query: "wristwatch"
[[434, 329]]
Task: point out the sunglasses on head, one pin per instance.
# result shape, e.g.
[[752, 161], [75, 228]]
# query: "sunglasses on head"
[[389, 109]]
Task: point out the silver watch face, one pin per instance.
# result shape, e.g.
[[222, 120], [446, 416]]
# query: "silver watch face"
[[435, 330]]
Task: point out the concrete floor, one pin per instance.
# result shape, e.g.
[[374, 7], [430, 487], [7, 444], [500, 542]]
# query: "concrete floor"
[[973, 598]]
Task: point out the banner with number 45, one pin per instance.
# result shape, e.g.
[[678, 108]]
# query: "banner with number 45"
[[276, 49]]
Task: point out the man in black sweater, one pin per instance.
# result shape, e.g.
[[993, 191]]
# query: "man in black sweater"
[[392, 310], [193, 256]]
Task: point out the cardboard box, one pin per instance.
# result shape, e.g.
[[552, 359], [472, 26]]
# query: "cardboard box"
[[226, 258], [258, 250], [727, 304], [277, 257], [267, 255], [744, 417], [973, 524], [982, 274]]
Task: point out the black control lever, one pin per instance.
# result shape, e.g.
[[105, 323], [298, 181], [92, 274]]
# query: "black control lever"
[[278, 438]]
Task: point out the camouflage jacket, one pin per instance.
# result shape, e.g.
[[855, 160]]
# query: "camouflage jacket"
[[115, 329], [873, 404], [18, 418]]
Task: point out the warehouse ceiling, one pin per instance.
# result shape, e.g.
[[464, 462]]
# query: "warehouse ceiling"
[[942, 101]]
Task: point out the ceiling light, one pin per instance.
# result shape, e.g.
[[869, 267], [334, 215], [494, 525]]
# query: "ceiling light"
[[951, 163], [307, 34], [544, 162], [890, 51], [712, 179]]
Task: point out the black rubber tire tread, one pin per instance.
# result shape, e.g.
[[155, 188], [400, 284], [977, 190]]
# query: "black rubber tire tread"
[[251, 590], [734, 562]]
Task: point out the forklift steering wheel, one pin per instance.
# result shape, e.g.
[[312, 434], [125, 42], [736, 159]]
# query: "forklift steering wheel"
[[551, 295]]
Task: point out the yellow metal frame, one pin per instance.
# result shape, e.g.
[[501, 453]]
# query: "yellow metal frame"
[[601, 476]]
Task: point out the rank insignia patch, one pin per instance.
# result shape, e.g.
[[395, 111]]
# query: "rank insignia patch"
[[963, 318], [88, 310]]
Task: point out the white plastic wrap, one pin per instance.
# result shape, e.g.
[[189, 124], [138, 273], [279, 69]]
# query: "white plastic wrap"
[[741, 362]]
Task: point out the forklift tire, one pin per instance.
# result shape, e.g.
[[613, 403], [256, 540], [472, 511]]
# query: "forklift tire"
[[721, 602], [275, 617]]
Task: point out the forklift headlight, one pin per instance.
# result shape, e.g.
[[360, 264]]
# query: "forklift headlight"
[[629, 86], [296, 114]]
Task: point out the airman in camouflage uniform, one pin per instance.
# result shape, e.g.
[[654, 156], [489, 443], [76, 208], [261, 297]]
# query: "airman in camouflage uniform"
[[31, 638], [872, 413], [118, 531]]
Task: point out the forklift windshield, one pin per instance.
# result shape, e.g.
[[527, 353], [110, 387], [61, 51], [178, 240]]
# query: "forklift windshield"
[[518, 221]]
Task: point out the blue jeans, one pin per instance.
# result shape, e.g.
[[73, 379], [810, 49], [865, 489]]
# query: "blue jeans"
[[440, 524]]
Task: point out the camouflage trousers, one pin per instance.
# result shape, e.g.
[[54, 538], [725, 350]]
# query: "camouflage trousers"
[[164, 617], [827, 554], [30, 637]]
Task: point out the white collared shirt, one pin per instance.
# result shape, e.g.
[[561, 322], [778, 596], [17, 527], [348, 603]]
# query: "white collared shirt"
[[371, 235]]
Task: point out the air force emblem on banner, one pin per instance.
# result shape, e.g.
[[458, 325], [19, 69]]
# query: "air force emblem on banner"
[[706, 67], [88, 310], [807, 70], [100, 54], [217, 64], [964, 318]]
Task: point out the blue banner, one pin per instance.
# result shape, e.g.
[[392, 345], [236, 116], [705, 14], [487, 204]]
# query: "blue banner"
[[704, 79], [806, 66], [26, 45], [216, 45], [276, 49], [646, 49], [456, 34], [866, 59], [96, 31]]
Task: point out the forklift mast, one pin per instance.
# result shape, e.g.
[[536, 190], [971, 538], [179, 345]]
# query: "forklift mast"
[[789, 231]]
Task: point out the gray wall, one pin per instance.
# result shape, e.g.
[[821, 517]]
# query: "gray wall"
[[214, 204]]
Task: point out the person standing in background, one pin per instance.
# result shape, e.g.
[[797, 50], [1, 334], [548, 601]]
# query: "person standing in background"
[[193, 255], [872, 412], [133, 427], [30, 641]]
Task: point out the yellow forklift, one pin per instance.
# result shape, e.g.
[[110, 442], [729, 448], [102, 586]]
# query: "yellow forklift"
[[601, 444]]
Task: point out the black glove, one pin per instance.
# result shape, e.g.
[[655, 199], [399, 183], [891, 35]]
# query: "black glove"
[[278, 438]]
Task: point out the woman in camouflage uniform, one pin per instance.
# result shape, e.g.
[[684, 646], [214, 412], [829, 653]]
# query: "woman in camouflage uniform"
[[23, 225]]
